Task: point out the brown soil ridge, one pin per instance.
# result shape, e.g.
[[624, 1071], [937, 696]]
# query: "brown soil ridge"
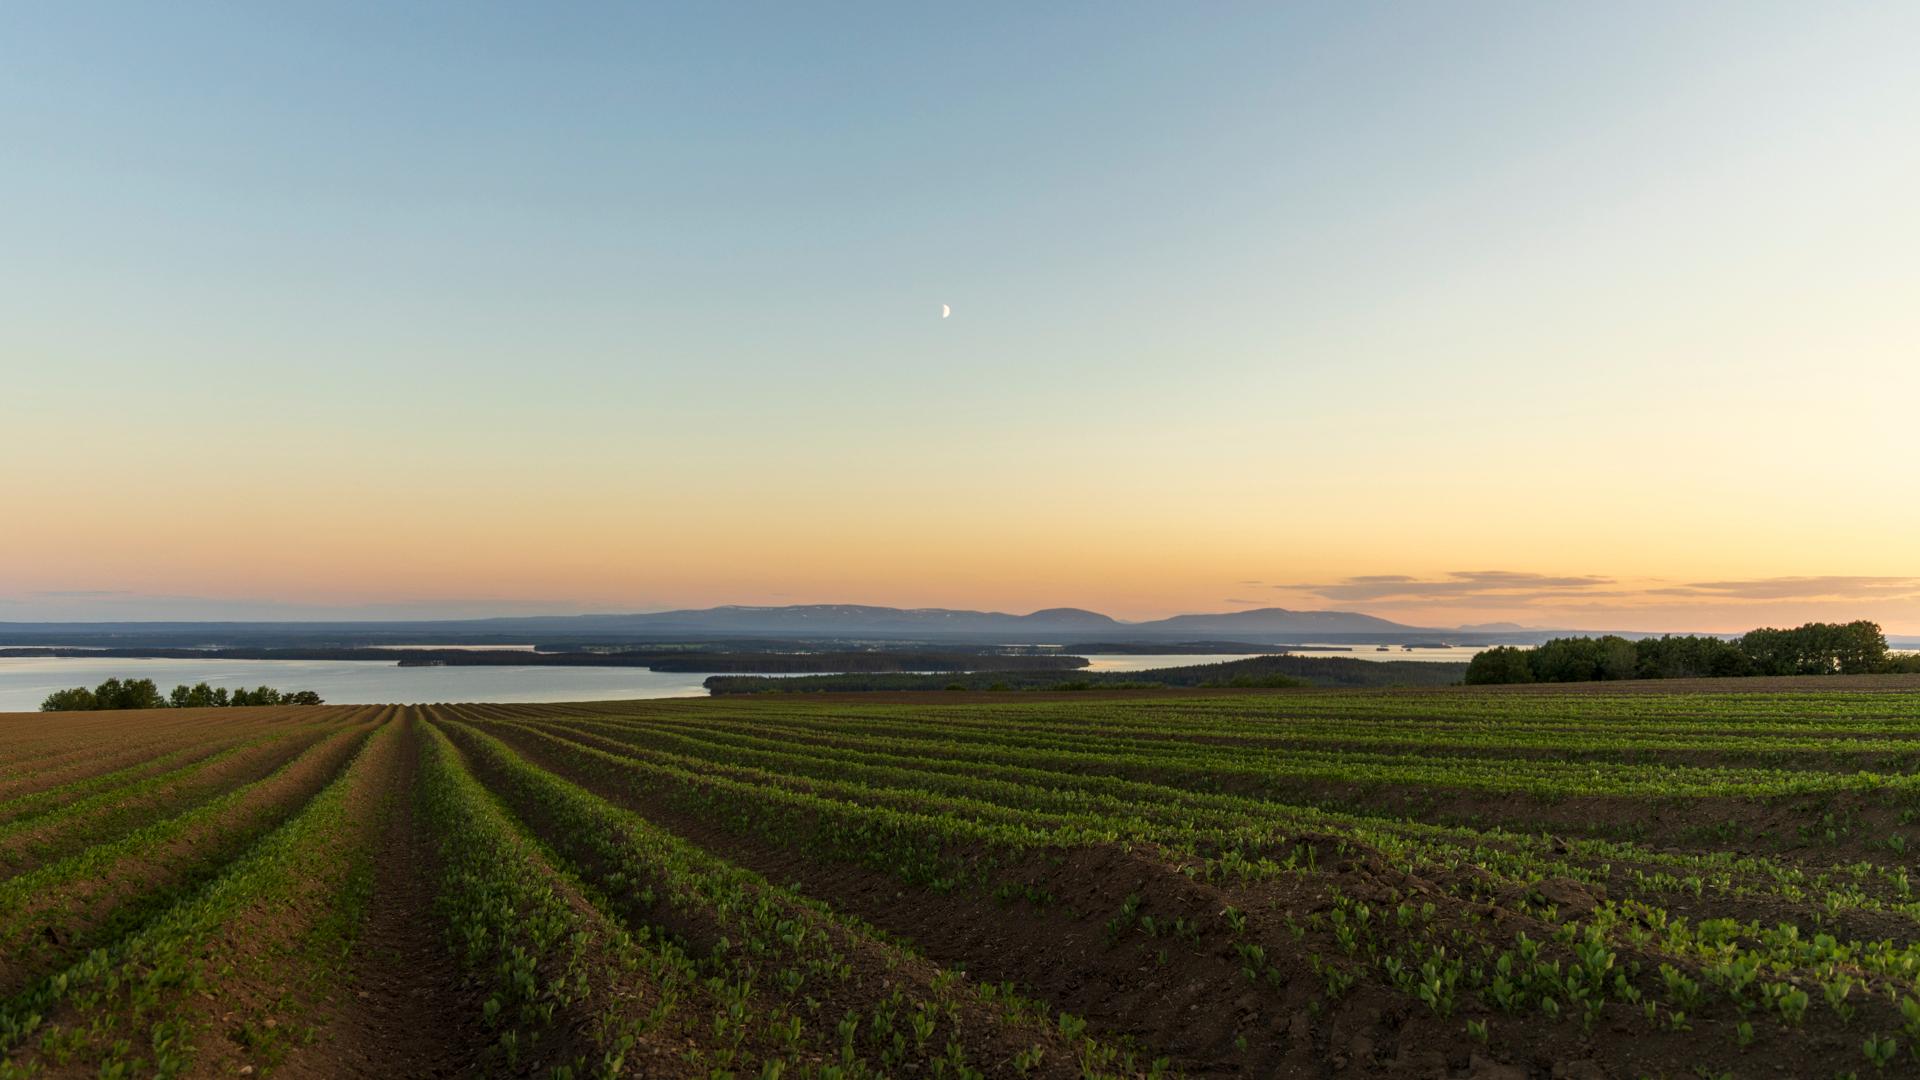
[[267, 970], [1194, 1004], [132, 767], [1597, 814], [41, 840], [1190, 1015], [1844, 760], [242, 964], [26, 779], [56, 928], [69, 757], [1771, 822], [1778, 814], [878, 969], [660, 1052], [1765, 684], [402, 1007]]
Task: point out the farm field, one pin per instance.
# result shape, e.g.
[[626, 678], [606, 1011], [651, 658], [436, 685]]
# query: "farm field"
[[1685, 880]]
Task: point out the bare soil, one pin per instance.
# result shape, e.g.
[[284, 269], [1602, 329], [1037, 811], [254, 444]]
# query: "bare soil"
[[402, 1006], [56, 928], [1190, 998], [877, 970]]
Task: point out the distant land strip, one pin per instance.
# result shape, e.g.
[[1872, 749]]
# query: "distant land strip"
[[1254, 672], [894, 660]]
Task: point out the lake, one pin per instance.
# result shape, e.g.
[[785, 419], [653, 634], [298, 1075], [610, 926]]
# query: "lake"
[[1149, 661], [26, 681], [1458, 654]]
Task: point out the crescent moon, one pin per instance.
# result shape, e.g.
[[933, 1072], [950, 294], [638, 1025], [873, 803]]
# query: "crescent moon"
[[945, 310]]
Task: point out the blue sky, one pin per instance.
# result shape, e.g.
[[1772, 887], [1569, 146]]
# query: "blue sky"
[[1238, 290]]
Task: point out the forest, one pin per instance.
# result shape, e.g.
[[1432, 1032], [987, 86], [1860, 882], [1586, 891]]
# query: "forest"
[[1855, 648], [144, 694]]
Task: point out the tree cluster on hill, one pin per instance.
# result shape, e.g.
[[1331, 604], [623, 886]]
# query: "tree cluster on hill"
[[143, 694], [202, 696], [1855, 648]]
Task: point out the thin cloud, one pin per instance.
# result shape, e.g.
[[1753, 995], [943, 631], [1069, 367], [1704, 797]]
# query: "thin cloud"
[[1836, 587], [1505, 585], [1519, 590]]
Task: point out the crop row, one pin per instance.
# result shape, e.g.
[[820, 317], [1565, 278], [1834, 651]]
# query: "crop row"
[[62, 908], [746, 975], [945, 819], [129, 1004], [1035, 796]]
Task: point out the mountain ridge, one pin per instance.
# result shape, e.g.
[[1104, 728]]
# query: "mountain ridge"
[[1043, 626], [855, 619]]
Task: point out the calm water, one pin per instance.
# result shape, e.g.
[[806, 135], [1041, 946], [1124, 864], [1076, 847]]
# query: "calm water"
[[26, 681], [1148, 661], [1458, 654], [462, 648]]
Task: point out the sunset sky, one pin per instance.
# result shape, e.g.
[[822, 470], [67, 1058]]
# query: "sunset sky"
[[1568, 315]]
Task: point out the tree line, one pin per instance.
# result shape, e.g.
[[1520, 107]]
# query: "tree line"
[[143, 694], [1855, 648]]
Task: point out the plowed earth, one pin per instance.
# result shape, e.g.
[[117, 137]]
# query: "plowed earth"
[[973, 885]]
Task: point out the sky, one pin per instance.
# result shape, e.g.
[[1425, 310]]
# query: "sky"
[[1595, 316]]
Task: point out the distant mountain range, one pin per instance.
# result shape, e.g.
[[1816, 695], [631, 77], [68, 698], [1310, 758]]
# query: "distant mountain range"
[[797, 622], [1039, 627]]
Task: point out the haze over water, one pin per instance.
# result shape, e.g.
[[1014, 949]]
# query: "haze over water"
[[26, 681]]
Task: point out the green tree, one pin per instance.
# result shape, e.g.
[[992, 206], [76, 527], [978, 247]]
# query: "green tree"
[[128, 694], [1500, 664], [1772, 652], [75, 700], [1678, 656], [143, 694], [198, 696], [262, 695], [1817, 649], [1859, 647], [1584, 659]]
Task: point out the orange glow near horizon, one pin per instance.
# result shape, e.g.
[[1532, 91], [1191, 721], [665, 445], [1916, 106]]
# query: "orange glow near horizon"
[[1240, 317], [465, 550]]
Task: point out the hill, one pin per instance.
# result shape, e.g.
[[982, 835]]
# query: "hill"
[[812, 622], [1261, 622]]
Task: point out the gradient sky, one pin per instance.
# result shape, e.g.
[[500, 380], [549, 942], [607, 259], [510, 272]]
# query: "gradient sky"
[[1602, 316]]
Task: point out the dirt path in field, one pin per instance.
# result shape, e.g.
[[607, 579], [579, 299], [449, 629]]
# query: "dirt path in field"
[[405, 1010]]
